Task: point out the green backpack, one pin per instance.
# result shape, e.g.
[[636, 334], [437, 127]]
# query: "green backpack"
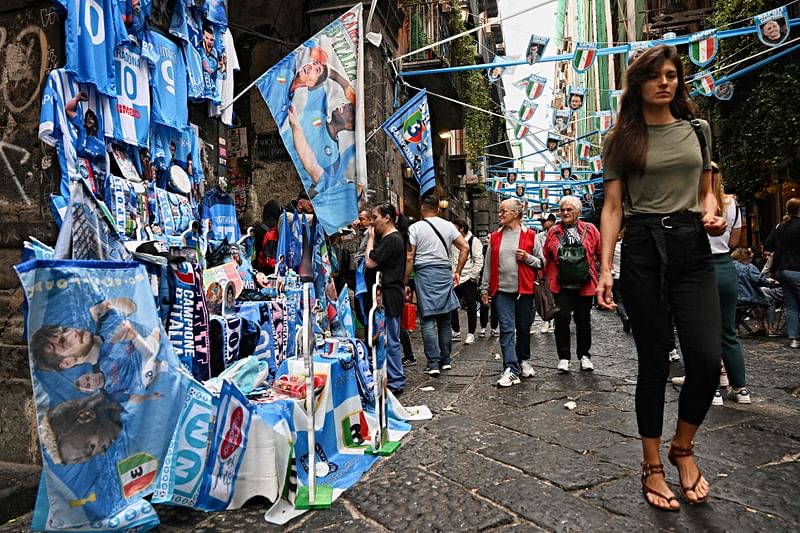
[[573, 268]]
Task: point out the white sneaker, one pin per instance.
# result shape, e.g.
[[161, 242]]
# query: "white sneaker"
[[563, 366], [456, 335], [674, 355], [470, 339], [495, 332], [508, 378], [482, 333], [795, 344], [717, 398], [723, 377], [678, 380], [527, 369], [545, 327], [741, 396], [586, 364]]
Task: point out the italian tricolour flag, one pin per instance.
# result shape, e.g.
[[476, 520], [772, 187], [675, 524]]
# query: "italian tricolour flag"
[[704, 83], [583, 150], [136, 473], [583, 57], [526, 110], [703, 47], [596, 163], [538, 173]]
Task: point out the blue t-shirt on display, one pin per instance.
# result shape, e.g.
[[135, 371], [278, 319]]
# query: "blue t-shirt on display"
[[214, 10], [187, 25], [93, 30], [220, 209], [168, 73], [127, 114], [56, 129]]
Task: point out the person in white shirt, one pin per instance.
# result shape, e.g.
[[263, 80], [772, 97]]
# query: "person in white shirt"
[[468, 286]]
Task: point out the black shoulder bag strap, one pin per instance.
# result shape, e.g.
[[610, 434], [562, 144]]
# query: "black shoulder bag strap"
[[469, 243], [698, 130], [436, 231]]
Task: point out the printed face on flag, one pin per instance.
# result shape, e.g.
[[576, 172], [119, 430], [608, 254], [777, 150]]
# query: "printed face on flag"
[[584, 56], [723, 91], [703, 47], [520, 190], [311, 94], [566, 172], [495, 73], [561, 119], [575, 96], [704, 83], [637, 48], [535, 49], [773, 26], [552, 142], [511, 177]]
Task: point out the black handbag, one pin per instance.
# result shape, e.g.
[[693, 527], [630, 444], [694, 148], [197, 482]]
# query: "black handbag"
[[573, 268], [544, 300]]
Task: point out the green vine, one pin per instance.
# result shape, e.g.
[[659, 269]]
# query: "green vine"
[[472, 87], [760, 126]]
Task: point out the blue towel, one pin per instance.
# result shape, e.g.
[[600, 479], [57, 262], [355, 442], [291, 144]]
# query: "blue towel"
[[435, 294]]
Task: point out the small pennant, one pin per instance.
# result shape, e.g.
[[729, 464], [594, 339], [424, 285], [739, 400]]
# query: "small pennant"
[[773, 26], [704, 83], [703, 47], [584, 56]]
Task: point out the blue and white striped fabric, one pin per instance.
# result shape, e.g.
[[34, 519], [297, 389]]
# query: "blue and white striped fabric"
[[127, 112]]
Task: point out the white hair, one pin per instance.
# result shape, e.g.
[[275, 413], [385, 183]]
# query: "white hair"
[[572, 201], [514, 205]]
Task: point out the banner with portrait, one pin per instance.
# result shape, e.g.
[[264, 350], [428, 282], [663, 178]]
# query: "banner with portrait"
[[313, 96], [773, 26], [637, 48], [535, 49], [575, 97], [102, 369]]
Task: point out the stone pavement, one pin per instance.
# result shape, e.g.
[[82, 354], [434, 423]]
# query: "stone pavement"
[[517, 460]]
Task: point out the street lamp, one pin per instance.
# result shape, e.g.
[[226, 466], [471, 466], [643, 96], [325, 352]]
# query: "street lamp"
[[443, 204]]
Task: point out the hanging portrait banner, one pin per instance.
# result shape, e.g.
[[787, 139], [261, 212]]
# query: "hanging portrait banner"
[[584, 56], [561, 119], [312, 95], [637, 48], [703, 47], [723, 91], [773, 26], [535, 50], [575, 97]]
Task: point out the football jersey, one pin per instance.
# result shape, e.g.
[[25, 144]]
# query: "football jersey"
[[230, 64], [168, 73], [187, 26], [161, 141], [93, 30], [214, 10], [55, 128], [127, 114], [220, 209]]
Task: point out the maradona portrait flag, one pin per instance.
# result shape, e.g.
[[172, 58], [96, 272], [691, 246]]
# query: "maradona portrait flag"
[[315, 96], [410, 129]]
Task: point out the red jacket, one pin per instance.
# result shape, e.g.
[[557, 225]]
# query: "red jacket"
[[591, 243], [526, 273]]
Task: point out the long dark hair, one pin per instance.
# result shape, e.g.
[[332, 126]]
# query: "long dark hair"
[[398, 219], [626, 145]]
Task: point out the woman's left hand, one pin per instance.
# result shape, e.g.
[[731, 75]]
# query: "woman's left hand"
[[714, 225], [522, 255]]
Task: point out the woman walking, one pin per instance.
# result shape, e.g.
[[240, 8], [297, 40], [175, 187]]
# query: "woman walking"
[[657, 157], [388, 258], [728, 289], [784, 241], [571, 251], [508, 276]]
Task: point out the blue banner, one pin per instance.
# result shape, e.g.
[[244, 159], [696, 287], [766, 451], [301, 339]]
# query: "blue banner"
[[410, 129]]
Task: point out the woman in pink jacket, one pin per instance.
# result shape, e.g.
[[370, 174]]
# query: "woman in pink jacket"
[[571, 252]]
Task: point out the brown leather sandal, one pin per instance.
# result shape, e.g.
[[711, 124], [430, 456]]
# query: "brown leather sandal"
[[676, 452], [656, 470]]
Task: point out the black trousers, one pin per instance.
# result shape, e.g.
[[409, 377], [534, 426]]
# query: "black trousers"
[[667, 268], [469, 291], [405, 340], [572, 304], [495, 321]]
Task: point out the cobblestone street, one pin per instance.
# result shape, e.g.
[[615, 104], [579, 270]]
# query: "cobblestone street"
[[517, 460]]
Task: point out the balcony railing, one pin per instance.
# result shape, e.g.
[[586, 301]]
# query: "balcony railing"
[[425, 23]]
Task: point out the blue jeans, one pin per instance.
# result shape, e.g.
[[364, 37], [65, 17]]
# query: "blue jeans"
[[394, 359], [790, 281], [437, 338], [515, 314]]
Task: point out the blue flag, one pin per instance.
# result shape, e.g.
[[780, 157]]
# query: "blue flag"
[[410, 129]]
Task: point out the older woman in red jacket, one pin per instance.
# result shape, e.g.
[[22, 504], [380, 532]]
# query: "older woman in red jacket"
[[571, 252]]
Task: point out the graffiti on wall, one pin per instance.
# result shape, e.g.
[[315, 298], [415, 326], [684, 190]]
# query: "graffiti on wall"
[[31, 45]]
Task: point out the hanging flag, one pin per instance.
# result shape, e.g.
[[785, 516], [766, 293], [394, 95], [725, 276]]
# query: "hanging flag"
[[497, 184], [704, 83], [538, 174], [575, 97], [499, 67], [583, 150], [535, 50], [614, 98], [583, 57], [565, 170], [773, 26], [526, 110], [723, 91], [703, 47], [521, 130], [561, 119], [596, 164], [315, 96], [410, 129], [590, 187], [553, 139], [637, 48], [603, 120], [533, 86]]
